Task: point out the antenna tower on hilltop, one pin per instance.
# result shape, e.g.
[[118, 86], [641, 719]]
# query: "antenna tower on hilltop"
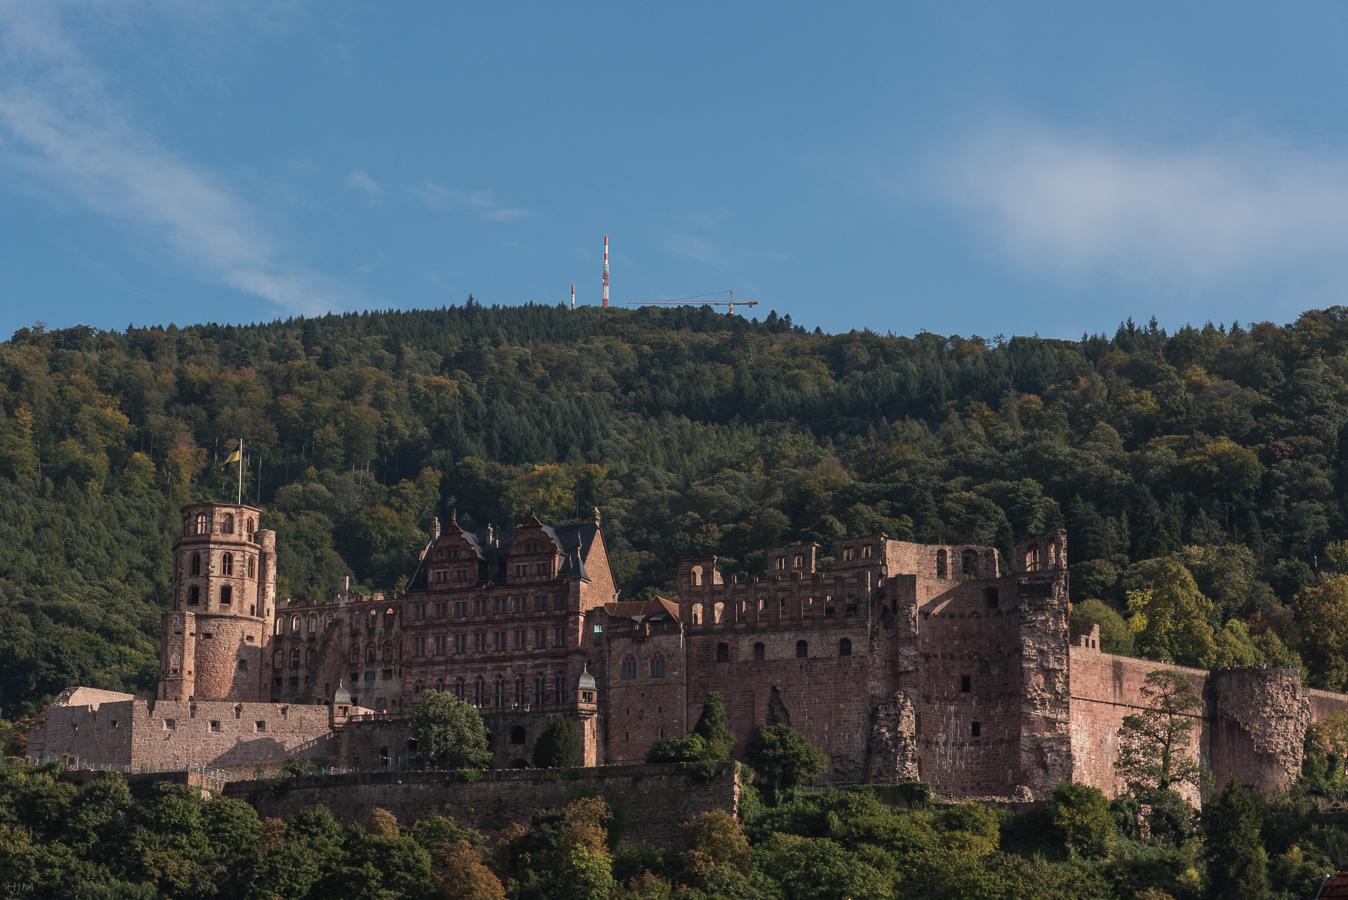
[[605, 271]]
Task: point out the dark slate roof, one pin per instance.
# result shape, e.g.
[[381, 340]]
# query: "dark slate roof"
[[572, 541]]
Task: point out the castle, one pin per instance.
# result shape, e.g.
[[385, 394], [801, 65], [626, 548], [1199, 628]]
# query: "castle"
[[902, 661]]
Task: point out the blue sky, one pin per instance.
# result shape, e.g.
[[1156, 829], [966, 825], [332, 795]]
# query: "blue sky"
[[960, 168]]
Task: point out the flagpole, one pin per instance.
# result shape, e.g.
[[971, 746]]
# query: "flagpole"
[[240, 500]]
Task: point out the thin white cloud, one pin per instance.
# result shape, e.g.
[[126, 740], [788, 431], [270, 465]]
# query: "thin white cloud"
[[360, 181], [484, 203], [692, 247], [61, 125], [1192, 217]]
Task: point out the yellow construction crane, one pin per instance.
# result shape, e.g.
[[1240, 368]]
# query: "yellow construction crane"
[[691, 301]]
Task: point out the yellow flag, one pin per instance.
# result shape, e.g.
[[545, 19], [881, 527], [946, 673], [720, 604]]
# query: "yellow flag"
[[232, 458]]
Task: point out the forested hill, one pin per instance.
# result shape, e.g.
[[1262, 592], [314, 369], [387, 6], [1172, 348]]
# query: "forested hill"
[[1215, 449]]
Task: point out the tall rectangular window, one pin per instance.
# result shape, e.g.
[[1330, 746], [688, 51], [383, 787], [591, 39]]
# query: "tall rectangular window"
[[541, 604], [419, 646], [520, 637], [440, 645], [500, 606], [540, 638], [460, 643], [520, 604], [559, 637], [480, 643], [419, 611], [500, 640]]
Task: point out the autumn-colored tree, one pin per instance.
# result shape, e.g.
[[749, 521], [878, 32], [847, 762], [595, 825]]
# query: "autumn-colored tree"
[[459, 874], [714, 838]]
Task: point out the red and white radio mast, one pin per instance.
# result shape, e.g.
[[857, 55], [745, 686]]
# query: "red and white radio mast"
[[573, 296], [605, 271]]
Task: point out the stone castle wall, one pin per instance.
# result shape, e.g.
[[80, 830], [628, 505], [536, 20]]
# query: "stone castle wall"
[[650, 800]]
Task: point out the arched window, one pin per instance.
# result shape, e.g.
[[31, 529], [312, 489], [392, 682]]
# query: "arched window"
[[295, 624], [243, 665], [355, 654], [657, 666], [480, 692], [459, 688], [540, 689], [313, 622], [388, 651], [723, 653], [227, 564], [697, 575], [370, 652], [310, 658], [559, 688], [250, 529], [970, 565], [499, 697], [193, 596], [226, 595], [229, 524], [1032, 559], [418, 688], [629, 669], [295, 658], [697, 613], [251, 561], [439, 685], [196, 564], [940, 564], [760, 652], [845, 647], [520, 698], [720, 613], [203, 524], [517, 734], [802, 650]]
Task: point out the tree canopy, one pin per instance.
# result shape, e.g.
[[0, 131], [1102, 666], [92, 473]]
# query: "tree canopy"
[[449, 732]]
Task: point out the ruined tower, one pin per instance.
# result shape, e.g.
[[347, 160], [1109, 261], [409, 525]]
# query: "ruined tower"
[[224, 598]]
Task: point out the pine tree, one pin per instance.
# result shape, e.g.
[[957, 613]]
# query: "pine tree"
[[1237, 861], [711, 727], [558, 747]]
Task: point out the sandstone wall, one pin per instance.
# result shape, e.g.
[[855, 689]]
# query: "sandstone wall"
[[652, 799], [1105, 688]]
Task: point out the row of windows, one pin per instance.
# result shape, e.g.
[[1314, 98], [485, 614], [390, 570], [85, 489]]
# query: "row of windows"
[[226, 564], [809, 605], [968, 565], [499, 606], [202, 525], [484, 642], [802, 650], [226, 596], [499, 692], [372, 652], [629, 667]]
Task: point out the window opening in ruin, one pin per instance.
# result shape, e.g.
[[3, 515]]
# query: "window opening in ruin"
[[203, 526], [169, 725], [697, 613], [657, 666], [310, 658], [697, 575], [802, 650], [800, 560], [830, 608], [940, 564], [355, 654], [1032, 560], [719, 611], [966, 684], [629, 667], [781, 562], [196, 563], [970, 565], [845, 647], [294, 659], [243, 665], [598, 635], [193, 596], [313, 623], [990, 599], [976, 729], [250, 529], [215, 726], [850, 553], [226, 595], [370, 652], [388, 651], [207, 636], [760, 652], [517, 735], [500, 694], [238, 712], [866, 552], [259, 726], [722, 653]]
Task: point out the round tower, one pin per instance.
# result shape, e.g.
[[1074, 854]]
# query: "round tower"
[[224, 598]]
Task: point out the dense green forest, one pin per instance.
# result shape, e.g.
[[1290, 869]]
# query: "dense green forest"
[[1201, 474], [140, 840]]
